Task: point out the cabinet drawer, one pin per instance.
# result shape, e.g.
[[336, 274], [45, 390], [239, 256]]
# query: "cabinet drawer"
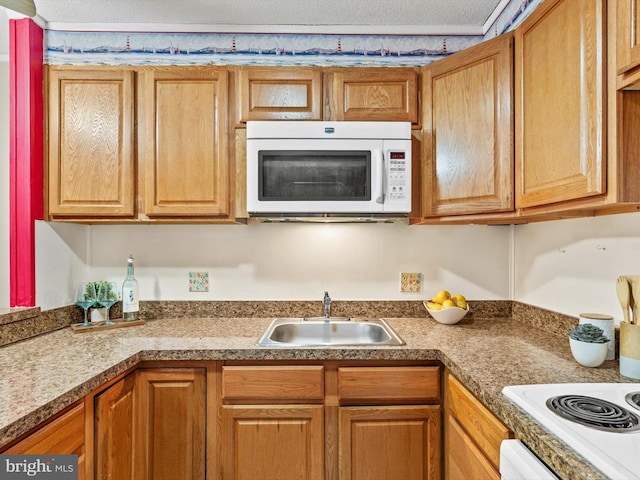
[[273, 383], [388, 384], [478, 422]]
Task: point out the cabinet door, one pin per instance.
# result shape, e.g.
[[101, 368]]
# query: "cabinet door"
[[628, 34], [273, 442], [184, 142], [468, 125], [279, 94], [116, 448], [388, 443], [64, 435], [560, 151], [464, 459], [172, 423], [389, 94], [90, 147]]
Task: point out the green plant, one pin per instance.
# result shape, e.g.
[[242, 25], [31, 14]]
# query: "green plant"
[[587, 332], [94, 287]]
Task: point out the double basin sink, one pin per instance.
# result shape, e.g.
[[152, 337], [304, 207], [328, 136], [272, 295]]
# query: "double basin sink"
[[328, 331]]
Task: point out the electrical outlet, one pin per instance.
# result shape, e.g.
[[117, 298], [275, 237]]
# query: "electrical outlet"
[[410, 282], [198, 281]]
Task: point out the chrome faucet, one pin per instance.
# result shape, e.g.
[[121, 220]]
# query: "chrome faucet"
[[326, 305]]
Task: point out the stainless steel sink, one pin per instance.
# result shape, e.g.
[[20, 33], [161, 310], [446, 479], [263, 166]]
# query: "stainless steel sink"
[[334, 331]]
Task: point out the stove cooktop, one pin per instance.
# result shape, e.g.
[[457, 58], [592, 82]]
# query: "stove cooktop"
[[610, 439]]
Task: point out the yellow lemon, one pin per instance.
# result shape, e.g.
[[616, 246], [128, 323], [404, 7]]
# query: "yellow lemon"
[[441, 296], [434, 306], [448, 303], [459, 300]]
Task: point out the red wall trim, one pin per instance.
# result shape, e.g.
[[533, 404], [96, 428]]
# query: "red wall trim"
[[26, 154]]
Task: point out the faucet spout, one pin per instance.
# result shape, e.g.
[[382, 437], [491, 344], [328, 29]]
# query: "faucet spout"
[[326, 305]]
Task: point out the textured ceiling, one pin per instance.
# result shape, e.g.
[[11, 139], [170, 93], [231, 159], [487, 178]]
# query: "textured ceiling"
[[446, 17], [270, 12]]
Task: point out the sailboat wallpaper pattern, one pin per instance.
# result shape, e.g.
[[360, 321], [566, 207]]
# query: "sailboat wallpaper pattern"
[[136, 48]]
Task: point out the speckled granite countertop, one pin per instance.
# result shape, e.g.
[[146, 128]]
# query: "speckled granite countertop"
[[42, 375]]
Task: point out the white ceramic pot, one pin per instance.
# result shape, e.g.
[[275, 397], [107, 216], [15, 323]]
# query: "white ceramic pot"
[[98, 314], [588, 354]]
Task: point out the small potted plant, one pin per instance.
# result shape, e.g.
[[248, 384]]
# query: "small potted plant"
[[98, 312], [588, 344]]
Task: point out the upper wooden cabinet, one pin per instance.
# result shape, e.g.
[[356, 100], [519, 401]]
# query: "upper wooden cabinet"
[[278, 93], [335, 94], [184, 141], [468, 131], [628, 34], [91, 166], [560, 103], [370, 94]]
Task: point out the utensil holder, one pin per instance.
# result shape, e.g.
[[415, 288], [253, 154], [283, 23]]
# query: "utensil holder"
[[630, 350]]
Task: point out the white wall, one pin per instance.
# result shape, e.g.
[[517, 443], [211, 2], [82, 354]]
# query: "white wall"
[[61, 262], [571, 266], [301, 261]]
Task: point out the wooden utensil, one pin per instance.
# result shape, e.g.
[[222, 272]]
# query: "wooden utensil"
[[624, 296], [635, 299]]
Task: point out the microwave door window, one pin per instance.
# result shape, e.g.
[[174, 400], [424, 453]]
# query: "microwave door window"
[[314, 176]]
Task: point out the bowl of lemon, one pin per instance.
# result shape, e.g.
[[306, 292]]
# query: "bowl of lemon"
[[446, 308]]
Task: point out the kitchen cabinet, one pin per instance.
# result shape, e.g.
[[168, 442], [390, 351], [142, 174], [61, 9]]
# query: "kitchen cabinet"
[[468, 131], [279, 93], [560, 103], [385, 429], [151, 424], [627, 16], [116, 448], [333, 94], [64, 435], [121, 151], [272, 422], [91, 157], [183, 142], [472, 435], [370, 94]]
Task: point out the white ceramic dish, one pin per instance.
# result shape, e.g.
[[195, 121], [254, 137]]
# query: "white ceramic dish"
[[447, 316]]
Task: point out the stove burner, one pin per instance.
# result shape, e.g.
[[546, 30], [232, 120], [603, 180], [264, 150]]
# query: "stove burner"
[[595, 413], [633, 399]]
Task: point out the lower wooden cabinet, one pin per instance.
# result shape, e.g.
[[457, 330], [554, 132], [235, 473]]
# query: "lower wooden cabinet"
[[151, 425], [115, 446], [273, 442], [389, 443], [472, 436], [464, 459], [64, 435]]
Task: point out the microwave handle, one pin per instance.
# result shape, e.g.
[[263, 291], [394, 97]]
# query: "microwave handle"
[[378, 194]]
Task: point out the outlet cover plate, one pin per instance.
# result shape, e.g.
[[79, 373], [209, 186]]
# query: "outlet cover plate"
[[410, 282], [198, 281]]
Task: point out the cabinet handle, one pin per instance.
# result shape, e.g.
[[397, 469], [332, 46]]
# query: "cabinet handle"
[[378, 194]]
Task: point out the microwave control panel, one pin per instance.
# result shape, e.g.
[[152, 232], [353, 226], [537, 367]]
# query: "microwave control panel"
[[397, 176]]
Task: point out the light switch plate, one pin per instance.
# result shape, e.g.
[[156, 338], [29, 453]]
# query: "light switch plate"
[[198, 281], [410, 282]]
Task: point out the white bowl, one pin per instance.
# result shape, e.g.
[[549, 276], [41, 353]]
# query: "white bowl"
[[447, 316], [588, 354]]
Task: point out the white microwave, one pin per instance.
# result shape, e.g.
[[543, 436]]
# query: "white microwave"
[[303, 168]]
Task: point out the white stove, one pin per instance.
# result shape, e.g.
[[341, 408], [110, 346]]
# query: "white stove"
[[612, 449]]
